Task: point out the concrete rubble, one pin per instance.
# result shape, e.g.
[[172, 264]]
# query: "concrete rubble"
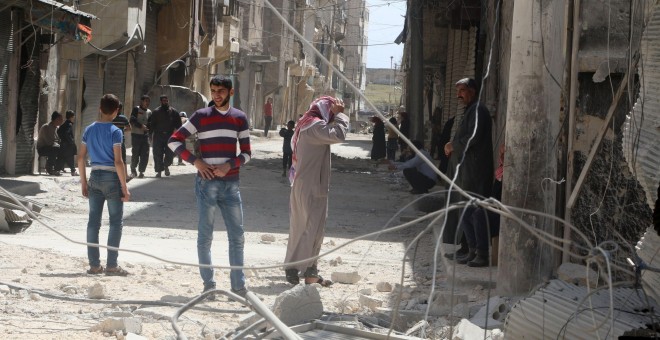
[[96, 291], [345, 277], [126, 325], [578, 274], [299, 304], [383, 287]]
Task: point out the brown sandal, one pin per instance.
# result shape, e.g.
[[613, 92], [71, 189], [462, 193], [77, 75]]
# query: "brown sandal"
[[95, 270], [116, 271], [320, 280]]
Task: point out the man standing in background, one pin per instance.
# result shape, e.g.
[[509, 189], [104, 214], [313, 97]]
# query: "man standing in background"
[[164, 121], [140, 136], [268, 115]]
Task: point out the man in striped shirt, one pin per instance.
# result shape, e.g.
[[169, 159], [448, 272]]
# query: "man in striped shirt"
[[219, 128]]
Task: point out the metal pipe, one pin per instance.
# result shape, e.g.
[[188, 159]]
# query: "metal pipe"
[[572, 98]]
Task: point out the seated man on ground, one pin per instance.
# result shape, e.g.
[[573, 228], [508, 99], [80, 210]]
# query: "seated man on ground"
[[416, 171], [48, 142]]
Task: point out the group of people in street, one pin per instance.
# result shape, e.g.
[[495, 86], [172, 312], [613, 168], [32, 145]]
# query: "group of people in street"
[[219, 129], [56, 142]]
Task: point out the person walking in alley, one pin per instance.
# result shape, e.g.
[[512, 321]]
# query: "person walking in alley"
[[287, 152], [268, 115], [164, 120], [472, 138], [392, 140], [219, 129], [67, 144], [107, 182], [378, 139], [322, 125], [140, 136]]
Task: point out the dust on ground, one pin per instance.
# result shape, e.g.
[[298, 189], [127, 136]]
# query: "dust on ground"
[[48, 286]]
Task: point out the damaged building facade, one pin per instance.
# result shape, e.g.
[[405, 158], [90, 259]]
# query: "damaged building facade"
[[58, 56], [560, 79]]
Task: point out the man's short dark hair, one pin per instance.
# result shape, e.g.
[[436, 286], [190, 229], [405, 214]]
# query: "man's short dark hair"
[[220, 80], [54, 115], [109, 103], [163, 96], [469, 83], [69, 114], [144, 96]]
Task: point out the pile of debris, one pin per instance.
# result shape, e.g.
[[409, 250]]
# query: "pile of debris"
[[13, 216]]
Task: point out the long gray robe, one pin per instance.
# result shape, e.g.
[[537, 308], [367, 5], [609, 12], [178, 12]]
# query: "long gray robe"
[[308, 203], [476, 171]]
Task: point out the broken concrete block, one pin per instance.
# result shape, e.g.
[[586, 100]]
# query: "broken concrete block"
[[466, 330], [299, 304], [461, 310], [494, 316], [383, 287], [133, 336], [267, 238], [35, 297], [577, 274], [126, 325], [345, 277], [370, 302], [96, 291], [365, 291], [4, 289]]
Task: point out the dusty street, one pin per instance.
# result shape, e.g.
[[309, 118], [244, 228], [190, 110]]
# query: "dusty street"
[[161, 220]]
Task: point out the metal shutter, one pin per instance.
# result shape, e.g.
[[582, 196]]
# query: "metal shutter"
[[93, 90], [114, 80], [6, 49]]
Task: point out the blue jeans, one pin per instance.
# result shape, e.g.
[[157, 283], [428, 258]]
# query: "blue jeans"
[[104, 186], [212, 194]]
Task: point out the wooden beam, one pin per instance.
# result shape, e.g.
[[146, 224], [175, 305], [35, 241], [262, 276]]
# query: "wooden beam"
[[599, 138]]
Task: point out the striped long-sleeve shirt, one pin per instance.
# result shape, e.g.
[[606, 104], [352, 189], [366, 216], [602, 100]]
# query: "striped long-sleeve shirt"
[[218, 134]]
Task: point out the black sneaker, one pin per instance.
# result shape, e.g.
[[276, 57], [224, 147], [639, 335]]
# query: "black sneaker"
[[141, 175], [158, 174], [167, 171], [211, 296], [240, 292], [133, 173]]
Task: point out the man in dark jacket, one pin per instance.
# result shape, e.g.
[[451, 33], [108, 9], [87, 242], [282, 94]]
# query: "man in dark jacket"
[[67, 144], [164, 121], [140, 136], [474, 153]]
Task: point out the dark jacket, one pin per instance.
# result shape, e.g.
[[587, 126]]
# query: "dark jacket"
[[67, 140], [164, 121], [286, 145]]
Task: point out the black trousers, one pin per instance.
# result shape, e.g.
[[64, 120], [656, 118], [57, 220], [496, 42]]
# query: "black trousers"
[[67, 157], [269, 120], [286, 160], [51, 153], [418, 180], [480, 225], [163, 156], [140, 152]]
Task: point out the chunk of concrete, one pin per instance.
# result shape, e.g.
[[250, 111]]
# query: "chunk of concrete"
[[494, 316], [4, 289], [345, 277], [370, 302], [96, 291], [299, 304], [383, 286], [445, 299], [133, 336], [126, 325], [577, 274], [466, 330]]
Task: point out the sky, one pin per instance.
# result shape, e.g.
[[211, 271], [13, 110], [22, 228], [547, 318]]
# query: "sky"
[[385, 24]]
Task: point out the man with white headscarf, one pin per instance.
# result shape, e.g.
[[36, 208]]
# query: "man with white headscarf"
[[322, 125]]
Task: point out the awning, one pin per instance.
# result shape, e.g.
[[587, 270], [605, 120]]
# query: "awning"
[[56, 17]]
